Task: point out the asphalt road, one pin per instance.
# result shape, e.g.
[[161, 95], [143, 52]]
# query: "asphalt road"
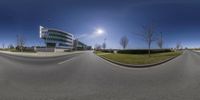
[[88, 77]]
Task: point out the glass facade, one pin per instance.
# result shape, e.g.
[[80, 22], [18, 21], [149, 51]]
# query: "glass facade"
[[56, 38]]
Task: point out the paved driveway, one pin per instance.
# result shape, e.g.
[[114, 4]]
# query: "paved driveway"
[[88, 77]]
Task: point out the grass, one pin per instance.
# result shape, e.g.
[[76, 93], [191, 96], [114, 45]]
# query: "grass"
[[139, 58]]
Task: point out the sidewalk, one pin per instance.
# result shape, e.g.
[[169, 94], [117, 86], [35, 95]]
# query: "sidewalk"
[[42, 54], [196, 51]]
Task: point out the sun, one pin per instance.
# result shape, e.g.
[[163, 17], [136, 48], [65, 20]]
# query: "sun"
[[99, 31]]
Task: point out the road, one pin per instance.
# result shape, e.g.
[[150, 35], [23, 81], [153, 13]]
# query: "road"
[[88, 77]]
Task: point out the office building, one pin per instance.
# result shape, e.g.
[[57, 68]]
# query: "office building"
[[55, 38]]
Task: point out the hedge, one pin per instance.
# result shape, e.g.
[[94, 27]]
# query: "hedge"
[[143, 51], [137, 51]]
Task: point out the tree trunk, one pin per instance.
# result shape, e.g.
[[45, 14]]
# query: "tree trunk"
[[149, 51]]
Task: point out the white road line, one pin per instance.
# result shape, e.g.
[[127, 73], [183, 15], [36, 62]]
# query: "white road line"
[[66, 60]]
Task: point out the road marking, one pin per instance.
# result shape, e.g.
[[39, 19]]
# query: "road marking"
[[66, 60]]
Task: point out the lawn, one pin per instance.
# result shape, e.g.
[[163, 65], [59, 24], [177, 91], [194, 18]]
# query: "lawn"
[[139, 58]]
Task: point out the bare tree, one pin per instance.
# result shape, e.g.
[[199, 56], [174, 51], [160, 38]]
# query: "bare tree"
[[148, 35], [20, 42], [124, 42], [160, 41]]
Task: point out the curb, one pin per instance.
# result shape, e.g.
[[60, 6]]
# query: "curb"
[[28, 56], [138, 66], [198, 53]]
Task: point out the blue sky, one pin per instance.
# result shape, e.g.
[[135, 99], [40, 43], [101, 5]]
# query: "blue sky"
[[178, 20]]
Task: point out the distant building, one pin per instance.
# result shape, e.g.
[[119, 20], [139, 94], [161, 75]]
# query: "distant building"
[[80, 46], [55, 38]]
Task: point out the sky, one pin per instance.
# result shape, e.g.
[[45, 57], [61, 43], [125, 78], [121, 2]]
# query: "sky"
[[178, 20]]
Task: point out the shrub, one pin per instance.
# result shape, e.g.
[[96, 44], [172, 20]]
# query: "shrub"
[[107, 51], [143, 51]]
